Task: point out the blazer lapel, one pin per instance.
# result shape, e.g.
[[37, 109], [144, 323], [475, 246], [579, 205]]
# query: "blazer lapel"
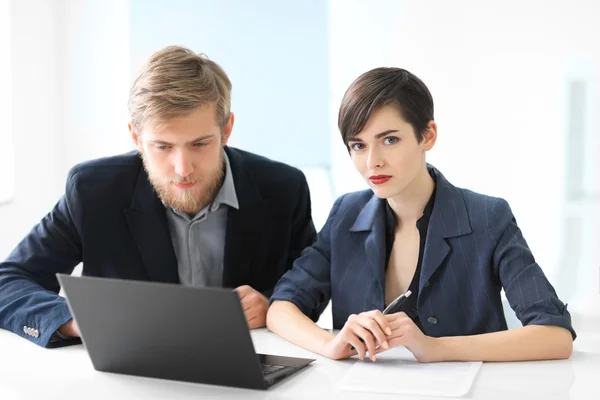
[[243, 240], [371, 222], [449, 219], [147, 222]]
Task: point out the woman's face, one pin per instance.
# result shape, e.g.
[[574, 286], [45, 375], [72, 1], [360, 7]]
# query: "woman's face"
[[387, 154]]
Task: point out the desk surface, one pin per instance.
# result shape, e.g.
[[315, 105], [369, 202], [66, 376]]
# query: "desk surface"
[[31, 372]]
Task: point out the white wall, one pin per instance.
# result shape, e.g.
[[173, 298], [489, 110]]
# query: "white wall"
[[275, 53], [497, 72], [73, 63], [94, 78], [36, 124], [7, 161], [70, 86]]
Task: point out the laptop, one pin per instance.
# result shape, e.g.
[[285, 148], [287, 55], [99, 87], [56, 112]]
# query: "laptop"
[[168, 331]]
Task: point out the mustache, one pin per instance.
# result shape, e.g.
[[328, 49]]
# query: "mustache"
[[186, 179]]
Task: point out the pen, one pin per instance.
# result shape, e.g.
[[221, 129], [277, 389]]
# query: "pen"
[[393, 307], [397, 303]]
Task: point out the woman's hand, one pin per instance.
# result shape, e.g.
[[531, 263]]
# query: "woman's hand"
[[362, 333], [406, 333]]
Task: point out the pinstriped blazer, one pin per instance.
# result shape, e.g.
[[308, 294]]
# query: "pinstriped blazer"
[[473, 250]]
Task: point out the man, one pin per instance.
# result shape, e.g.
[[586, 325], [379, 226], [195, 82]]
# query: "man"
[[182, 208]]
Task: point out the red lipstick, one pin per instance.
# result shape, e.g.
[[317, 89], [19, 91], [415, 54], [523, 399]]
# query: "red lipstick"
[[379, 179]]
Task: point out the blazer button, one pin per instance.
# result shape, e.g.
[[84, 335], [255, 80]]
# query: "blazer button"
[[432, 320]]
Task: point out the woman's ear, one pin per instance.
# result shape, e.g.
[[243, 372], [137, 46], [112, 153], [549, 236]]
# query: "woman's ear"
[[430, 136]]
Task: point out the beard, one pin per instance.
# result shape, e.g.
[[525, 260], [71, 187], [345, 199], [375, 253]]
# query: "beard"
[[194, 199]]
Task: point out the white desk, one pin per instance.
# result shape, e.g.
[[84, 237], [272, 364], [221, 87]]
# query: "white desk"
[[30, 372]]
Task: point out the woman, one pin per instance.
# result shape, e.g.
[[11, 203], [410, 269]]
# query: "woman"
[[455, 250]]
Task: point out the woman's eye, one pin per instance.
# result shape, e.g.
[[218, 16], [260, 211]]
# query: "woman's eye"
[[357, 146], [390, 140]]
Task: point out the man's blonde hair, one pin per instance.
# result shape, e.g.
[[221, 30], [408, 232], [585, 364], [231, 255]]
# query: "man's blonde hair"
[[174, 82]]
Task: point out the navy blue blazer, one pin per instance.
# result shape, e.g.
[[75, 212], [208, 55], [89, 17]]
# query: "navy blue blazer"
[[473, 250], [111, 219]]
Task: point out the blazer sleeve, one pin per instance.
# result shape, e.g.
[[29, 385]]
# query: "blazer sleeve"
[[527, 289], [303, 233], [29, 302], [307, 284]]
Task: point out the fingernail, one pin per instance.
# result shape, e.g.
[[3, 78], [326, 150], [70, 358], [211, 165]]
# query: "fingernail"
[[373, 358], [388, 331], [386, 345]]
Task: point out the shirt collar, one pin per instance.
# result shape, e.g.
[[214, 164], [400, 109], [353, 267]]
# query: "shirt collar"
[[227, 194]]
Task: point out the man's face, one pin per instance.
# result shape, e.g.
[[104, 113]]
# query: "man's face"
[[184, 158]]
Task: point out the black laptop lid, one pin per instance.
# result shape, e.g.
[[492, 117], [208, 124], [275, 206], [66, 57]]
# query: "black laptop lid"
[[164, 330]]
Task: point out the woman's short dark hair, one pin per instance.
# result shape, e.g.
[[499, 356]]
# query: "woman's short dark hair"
[[380, 87]]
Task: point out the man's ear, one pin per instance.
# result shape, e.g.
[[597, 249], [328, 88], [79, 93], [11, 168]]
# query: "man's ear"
[[227, 129], [135, 137]]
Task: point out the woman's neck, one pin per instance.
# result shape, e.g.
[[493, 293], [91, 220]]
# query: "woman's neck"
[[409, 205]]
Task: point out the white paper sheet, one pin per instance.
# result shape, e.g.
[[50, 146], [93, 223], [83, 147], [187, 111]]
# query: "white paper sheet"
[[397, 371]]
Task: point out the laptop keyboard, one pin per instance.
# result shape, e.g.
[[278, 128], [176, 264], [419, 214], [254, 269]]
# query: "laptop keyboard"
[[269, 369]]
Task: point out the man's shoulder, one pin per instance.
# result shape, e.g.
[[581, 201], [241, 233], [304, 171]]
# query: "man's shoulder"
[[266, 171], [108, 173], [130, 161]]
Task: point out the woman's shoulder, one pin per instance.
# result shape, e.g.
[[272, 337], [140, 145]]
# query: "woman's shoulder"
[[477, 200], [349, 205], [355, 199], [483, 209], [478, 206]]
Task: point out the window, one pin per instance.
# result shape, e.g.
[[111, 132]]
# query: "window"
[[7, 156], [581, 195]]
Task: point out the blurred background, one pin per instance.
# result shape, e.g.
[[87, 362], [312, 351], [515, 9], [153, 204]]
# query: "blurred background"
[[515, 84]]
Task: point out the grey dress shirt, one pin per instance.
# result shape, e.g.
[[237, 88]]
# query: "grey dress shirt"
[[199, 241]]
